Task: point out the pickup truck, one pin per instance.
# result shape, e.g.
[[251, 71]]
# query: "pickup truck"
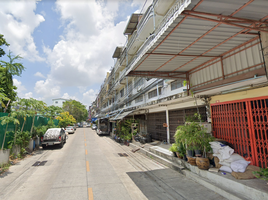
[[53, 136]]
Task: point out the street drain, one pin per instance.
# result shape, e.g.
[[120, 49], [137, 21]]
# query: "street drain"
[[122, 154], [38, 163]]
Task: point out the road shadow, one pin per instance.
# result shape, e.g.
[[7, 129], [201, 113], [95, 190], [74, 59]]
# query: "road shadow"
[[169, 184]]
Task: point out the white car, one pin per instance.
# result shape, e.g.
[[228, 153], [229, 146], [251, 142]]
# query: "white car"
[[53, 136], [69, 129]]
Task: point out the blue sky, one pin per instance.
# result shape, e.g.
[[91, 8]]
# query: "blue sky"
[[67, 46]]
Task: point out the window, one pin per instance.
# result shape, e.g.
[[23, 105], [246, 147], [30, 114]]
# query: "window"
[[139, 99], [56, 101], [154, 93], [122, 92], [138, 82], [129, 103], [176, 84]]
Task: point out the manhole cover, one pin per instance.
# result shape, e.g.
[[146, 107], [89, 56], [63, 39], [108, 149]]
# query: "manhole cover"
[[122, 154], [39, 163]]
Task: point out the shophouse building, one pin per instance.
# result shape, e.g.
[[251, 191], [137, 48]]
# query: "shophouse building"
[[218, 48]]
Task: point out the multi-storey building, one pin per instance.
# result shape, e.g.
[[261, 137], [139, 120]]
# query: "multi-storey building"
[[220, 49]]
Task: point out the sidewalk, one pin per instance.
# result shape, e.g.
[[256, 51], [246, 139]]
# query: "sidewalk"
[[225, 185]]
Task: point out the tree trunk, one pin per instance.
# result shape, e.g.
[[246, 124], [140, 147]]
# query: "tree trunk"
[[32, 125], [4, 138], [23, 125]]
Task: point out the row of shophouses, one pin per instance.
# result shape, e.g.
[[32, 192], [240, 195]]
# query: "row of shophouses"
[[193, 56]]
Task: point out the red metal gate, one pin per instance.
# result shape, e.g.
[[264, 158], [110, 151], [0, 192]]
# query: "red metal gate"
[[244, 124]]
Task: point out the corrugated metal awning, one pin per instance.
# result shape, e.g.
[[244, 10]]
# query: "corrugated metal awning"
[[132, 24], [117, 52], [199, 34], [122, 115]]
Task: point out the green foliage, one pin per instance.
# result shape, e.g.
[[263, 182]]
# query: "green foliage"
[[193, 118], [182, 149], [22, 139], [41, 130], [5, 120], [173, 148], [262, 174], [76, 109], [7, 71], [2, 42], [65, 119], [194, 136], [124, 129], [4, 167]]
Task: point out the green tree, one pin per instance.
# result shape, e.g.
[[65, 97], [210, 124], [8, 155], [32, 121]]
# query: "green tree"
[[65, 119], [3, 98], [2, 42], [76, 109], [7, 71], [5, 120], [36, 107], [52, 111]]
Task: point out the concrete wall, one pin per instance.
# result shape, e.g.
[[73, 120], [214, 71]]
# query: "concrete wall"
[[253, 93]]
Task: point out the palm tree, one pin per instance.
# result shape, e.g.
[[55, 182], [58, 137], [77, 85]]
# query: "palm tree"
[[13, 68], [10, 69]]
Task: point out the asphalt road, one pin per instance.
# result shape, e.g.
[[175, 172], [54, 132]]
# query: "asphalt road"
[[89, 167]]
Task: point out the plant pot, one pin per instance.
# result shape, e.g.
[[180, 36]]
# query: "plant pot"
[[178, 155], [175, 154], [37, 142], [185, 157], [191, 160], [190, 153], [4, 156], [202, 163], [16, 150], [198, 153], [31, 145]]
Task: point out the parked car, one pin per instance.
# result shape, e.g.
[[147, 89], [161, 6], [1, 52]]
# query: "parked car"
[[88, 125], [69, 129], [53, 136], [94, 126]]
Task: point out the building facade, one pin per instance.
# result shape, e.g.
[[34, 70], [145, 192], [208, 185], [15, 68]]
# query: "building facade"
[[189, 56], [59, 102]]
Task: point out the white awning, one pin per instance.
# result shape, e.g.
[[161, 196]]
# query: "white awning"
[[122, 115]]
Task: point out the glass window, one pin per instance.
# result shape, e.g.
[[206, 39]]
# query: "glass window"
[[122, 92], [56, 101], [176, 84], [138, 82], [154, 93], [139, 99]]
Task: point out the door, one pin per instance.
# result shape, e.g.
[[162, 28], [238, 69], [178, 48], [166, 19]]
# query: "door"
[[244, 124]]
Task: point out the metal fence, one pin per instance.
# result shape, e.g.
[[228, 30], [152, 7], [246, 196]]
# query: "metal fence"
[[244, 124], [39, 120]]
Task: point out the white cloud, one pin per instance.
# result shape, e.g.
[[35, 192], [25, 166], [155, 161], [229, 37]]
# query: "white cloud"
[[84, 54], [39, 74], [20, 88], [18, 21], [67, 96], [48, 89], [28, 95], [89, 97]]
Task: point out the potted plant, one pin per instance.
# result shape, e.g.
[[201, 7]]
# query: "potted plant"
[[182, 151], [202, 139], [173, 148], [186, 134]]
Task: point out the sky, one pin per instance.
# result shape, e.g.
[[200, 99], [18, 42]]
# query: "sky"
[[66, 45]]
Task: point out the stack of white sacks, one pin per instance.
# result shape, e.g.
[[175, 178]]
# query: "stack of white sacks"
[[229, 160]]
